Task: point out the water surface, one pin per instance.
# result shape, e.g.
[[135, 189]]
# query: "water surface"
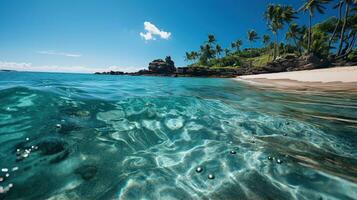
[[73, 136]]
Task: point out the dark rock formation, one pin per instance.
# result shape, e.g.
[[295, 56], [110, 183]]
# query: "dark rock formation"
[[209, 71], [160, 66], [111, 73], [290, 63]]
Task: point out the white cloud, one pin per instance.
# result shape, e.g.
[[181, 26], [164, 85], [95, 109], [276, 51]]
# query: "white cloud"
[[56, 68], [152, 30], [56, 53]]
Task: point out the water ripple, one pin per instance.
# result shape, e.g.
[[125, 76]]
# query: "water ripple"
[[111, 137]]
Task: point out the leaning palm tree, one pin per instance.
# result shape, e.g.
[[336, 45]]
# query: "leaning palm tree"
[[252, 37], [348, 4], [310, 6], [339, 6], [236, 45], [218, 50]]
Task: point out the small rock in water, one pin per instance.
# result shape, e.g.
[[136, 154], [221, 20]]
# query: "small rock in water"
[[15, 169], [279, 161], [87, 172], [4, 169], [270, 158], [1, 179], [7, 175], [58, 125], [233, 152], [82, 113], [211, 176], [51, 146], [27, 139], [199, 169], [285, 134]]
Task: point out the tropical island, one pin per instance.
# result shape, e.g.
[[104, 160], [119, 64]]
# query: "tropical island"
[[328, 43]]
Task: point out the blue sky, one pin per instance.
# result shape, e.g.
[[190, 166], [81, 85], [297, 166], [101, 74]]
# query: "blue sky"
[[90, 35]]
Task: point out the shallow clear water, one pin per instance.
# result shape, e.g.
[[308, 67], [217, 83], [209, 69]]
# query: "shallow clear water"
[[67, 136]]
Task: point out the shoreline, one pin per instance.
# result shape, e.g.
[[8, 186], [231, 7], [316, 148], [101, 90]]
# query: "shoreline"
[[337, 79]]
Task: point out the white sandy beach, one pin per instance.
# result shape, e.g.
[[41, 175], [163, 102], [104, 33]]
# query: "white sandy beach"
[[336, 78]]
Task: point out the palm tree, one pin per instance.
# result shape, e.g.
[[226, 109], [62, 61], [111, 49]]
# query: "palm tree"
[[339, 6], [194, 55], [292, 33], [218, 50], [342, 34], [310, 6], [211, 39], [188, 57], [277, 16], [252, 36], [206, 53], [226, 52], [266, 39], [236, 45]]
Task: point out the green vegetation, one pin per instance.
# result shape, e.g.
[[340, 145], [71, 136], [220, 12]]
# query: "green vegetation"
[[333, 39]]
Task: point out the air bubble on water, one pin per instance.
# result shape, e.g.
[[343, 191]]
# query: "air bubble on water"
[[199, 169], [211, 176]]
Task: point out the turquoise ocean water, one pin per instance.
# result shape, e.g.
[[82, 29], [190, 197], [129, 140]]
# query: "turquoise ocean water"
[[73, 136]]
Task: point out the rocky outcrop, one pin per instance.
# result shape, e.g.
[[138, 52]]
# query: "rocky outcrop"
[[160, 66], [225, 72], [291, 63]]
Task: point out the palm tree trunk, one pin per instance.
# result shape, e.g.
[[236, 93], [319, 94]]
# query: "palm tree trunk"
[[310, 34], [349, 47], [276, 46], [251, 49], [343, 29], [337, 25], [297, 46]]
